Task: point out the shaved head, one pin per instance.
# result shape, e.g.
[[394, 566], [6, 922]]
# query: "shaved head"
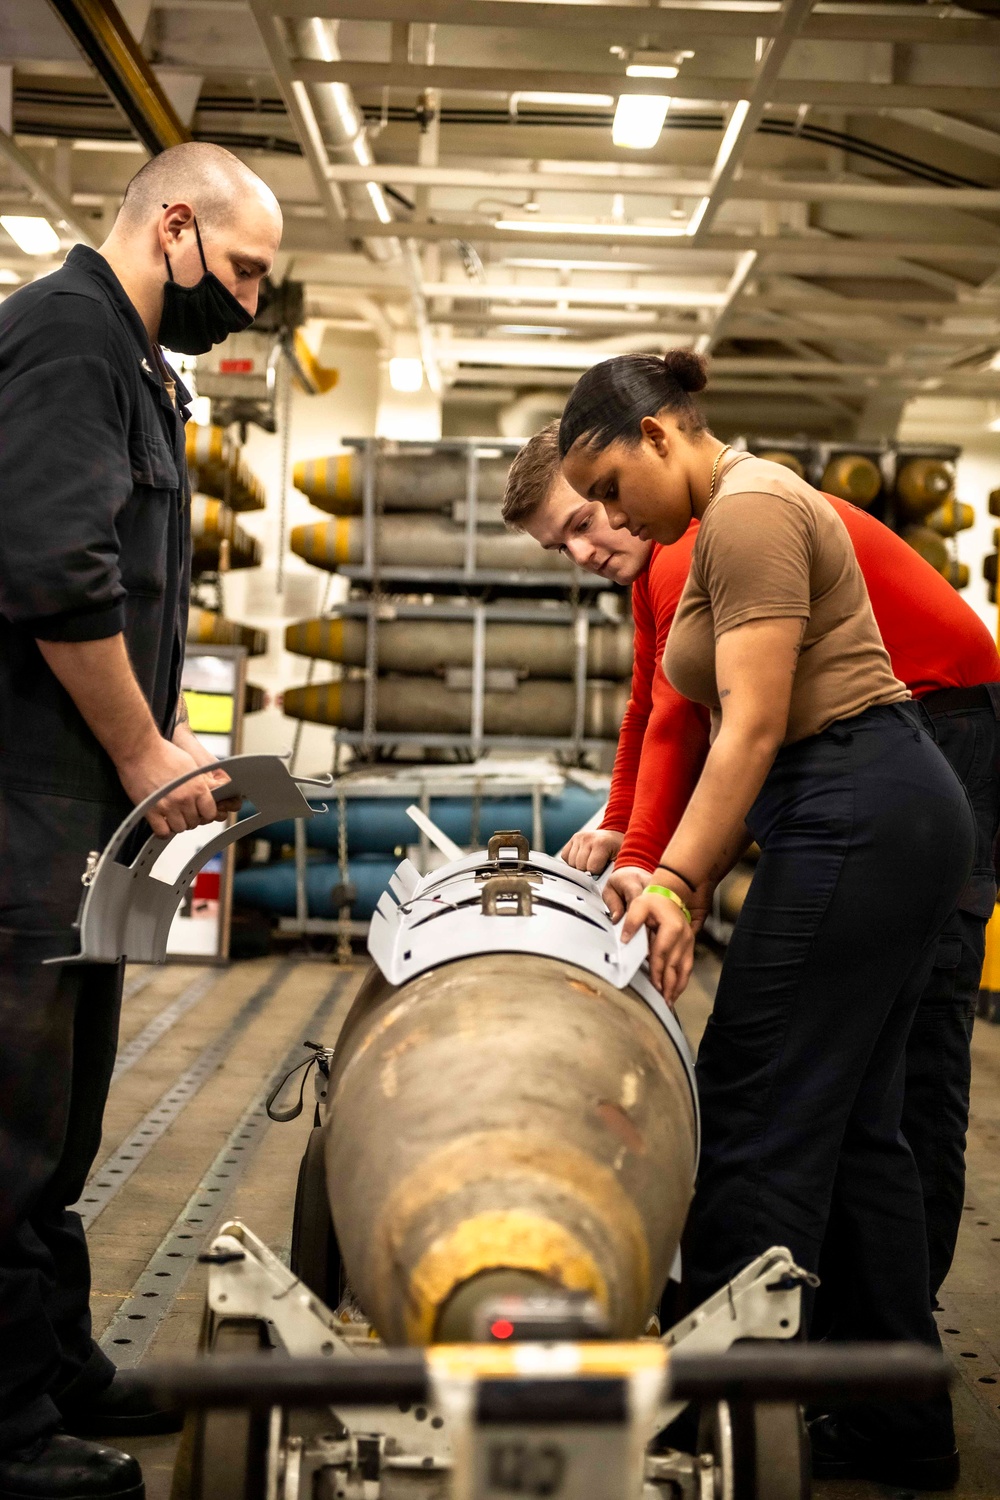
[[192, 209], [210, 178]]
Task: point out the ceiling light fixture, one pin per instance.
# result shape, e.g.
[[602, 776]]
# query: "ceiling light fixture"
[[553, 263], [638, 120], [406, 375], [8, 277], [32, 235], [576, 101], [650, 70], [635, 231], [530, 329]]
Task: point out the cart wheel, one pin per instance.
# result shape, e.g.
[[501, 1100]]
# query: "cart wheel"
[[223, 1454], [760, 1449], [315, 1254]]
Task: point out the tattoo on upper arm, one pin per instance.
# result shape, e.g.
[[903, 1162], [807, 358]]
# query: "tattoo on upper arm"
[[182, 711], [798, 645], [724, 693]]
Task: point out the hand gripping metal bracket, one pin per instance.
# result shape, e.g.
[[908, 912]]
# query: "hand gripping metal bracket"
[[127, 911]]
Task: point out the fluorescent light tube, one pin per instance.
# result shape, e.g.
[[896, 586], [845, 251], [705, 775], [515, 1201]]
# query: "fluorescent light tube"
[[405, 374], [650, 70], [550, 263], [33, 236], [638, 120], [581, 101], [533, 226]]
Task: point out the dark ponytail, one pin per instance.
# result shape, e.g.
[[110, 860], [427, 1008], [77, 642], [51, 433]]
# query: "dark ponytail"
[[608, 403]]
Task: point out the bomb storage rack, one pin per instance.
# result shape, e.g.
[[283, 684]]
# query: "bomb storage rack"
[[909, 486], [223, 487], [482, 787], [418, 535]]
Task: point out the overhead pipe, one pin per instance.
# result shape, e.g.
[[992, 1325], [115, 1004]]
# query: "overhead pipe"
[[343, 128]]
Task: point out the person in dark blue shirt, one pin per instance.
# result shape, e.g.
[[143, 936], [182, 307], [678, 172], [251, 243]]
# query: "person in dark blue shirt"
[[94, 580]]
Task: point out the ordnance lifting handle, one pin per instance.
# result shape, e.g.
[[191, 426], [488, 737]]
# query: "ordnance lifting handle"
[[499, 886], [747, 1372], [508, 839]]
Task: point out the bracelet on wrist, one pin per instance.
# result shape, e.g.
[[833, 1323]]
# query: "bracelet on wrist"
[[692, 887], [664, 890]]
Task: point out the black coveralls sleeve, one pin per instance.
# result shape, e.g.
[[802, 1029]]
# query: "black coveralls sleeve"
[[94, 518], [65, 445]]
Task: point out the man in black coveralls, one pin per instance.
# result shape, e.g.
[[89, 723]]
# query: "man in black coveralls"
[[94, 577]]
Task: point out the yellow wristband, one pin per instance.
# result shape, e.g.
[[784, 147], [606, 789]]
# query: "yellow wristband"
[[664, 890]]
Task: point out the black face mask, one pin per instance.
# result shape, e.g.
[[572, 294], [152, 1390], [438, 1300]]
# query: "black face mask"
[[196, 317]]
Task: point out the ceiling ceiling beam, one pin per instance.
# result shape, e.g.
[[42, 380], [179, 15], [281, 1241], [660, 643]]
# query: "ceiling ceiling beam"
[[100, 31], [598, 296], [824, 251], [860, 96], [746, 116], [568, 355], [754, 388], [741, 275], [618, 177], [885, 307], [647, 295], [628, 23], [740, 326], [976, 136], [300, 113], [58, 204]]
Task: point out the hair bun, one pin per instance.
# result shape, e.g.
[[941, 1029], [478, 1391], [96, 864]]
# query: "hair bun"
[[690, 370]]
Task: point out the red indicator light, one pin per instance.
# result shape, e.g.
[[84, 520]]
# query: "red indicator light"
[[502, 1328]]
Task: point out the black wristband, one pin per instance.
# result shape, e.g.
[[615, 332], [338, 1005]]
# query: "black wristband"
[[681, 876]]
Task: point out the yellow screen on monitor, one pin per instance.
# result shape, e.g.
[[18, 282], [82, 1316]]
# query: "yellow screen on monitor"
[[210, 713]]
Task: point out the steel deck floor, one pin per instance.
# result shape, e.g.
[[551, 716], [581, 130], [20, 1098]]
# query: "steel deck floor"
[[142, 1216]]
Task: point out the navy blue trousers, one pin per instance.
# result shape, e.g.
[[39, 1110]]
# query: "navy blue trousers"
[[938, 1058], [867, 840]]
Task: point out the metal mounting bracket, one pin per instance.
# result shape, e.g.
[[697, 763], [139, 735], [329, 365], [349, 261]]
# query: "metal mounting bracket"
[[127, 910], [424, 921]]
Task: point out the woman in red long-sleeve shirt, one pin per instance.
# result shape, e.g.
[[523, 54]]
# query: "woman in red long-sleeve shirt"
[[937, 645]]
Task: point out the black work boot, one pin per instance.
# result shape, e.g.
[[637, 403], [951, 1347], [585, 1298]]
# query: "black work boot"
[[839, 1451], [119, 1412], [61, 1467]]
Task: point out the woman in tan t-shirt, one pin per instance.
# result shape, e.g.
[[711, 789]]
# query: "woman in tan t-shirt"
[[866, 839]]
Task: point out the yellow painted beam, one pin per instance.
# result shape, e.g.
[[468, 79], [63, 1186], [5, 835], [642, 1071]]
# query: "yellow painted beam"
[[99, 29]]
